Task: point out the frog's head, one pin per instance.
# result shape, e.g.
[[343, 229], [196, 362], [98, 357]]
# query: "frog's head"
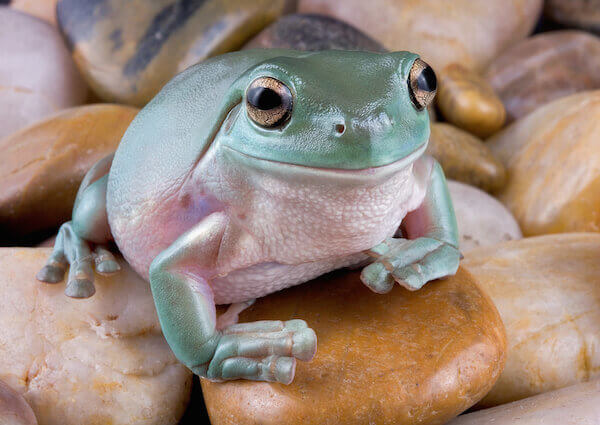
[[334, 109]]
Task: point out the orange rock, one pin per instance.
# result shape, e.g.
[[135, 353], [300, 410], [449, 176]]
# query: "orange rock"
[[553, 161], [42, 165], [401, 358]]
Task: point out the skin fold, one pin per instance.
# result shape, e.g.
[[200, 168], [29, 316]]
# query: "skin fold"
[[214, 206]]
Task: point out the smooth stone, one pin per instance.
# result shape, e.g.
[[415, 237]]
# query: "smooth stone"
[[399, 358], [575, 405], [43, 9], [584, 14], [128, 50], [44, 164], [552, 157], [466, 100], [482, 219], [102, 360], [465, 158], [547, 290], [14, 410], [37, 75], [468, 32], [544, 68], [313, 32]]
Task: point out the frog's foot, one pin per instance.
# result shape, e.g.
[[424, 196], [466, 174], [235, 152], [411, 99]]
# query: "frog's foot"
[[70, 249], [231, 316], [261, 351], [411, 263]]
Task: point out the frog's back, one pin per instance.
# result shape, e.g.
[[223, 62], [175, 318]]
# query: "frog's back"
[[160, 149]]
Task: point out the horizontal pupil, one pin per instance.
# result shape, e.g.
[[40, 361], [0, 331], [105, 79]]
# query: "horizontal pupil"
[[427, 81], [263, 98]]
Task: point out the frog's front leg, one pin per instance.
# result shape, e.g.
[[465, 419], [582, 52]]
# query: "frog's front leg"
[[430, 250], [262, 351]]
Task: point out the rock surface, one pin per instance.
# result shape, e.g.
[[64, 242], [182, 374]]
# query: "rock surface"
[[547, 290], [544, 68], [14, 410], [97, 361], [312, 32], [552, 157], [37, 75], [465, 158], [443, 32], [43, 9], [482, 219], [584, 14], [466, 100], [43, 164], [128, 50], [399, 358]]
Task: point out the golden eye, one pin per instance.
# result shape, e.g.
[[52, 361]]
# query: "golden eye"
[[422, 84], [269, 102]]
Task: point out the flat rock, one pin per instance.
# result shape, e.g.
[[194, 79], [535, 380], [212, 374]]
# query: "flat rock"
[[102, 360], [44, 164], [547, 290], [468, 32], [552, 157], [400, 358], [14, 410], [465, 158], [127, 50], [544, 68], [313, 32], [37, 75], [584, 14], [482, 219]]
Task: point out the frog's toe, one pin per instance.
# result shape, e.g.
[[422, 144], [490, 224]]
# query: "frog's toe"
[[80, 288], [270, 369], [105, 261], [442, 261], [51, 273], [377, 278]]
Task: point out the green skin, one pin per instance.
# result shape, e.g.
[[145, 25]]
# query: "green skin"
[[175, 200]]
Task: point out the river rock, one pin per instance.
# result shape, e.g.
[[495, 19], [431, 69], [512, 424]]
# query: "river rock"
[[128, 50], [584, 14], [544, 68], [466, 158], [553, 161], [37, 75], [44, 164], [102, 360], [482, 219], [468, 101], [547, 290], [43, 9], [468, 32], [399, 358], [313, 32], [14, 410]]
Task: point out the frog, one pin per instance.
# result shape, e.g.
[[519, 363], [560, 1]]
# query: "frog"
[[257, 170]]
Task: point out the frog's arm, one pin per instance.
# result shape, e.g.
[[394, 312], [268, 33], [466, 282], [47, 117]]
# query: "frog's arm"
[[431, 248], [73, 245], [179, 277]]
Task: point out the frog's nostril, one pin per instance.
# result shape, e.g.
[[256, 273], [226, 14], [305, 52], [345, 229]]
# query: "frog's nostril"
[[340, 128]]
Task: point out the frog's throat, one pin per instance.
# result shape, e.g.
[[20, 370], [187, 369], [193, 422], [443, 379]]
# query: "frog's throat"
[[369, 173]]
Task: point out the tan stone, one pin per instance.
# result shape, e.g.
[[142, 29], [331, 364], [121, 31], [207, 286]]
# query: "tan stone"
[[400, 358], [465, 158], [102, 360], [43, 165], [468, 101], [583, 14], [14, 410], [443, 32], [547, 290], [43, 9], [553, 161]]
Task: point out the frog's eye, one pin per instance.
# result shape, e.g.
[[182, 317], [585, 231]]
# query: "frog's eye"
[[422, 84], [269, 102]]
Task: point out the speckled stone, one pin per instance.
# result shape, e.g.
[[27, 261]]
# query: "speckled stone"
[[127, 50], [482, 219], [313, 32], [547, 290], [400, 358], [443, 32], [468, 101], [552, 157], [37, 75], [544, 68], [465, 158], [14, 410], [97, 361], [43, 165], [584, 14]]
